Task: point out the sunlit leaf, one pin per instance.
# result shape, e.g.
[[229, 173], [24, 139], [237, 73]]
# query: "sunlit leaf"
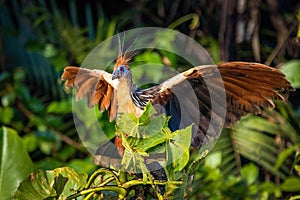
[[59, 183], [178, 148], [297, 168], [8, 99], [15, 162], [284, 155], [154, 126], [250, 173], [291, 184], [60, 107], [31, 142], [214, 159], [128, 123], [7, 114], [152, 141], [149, 111], [271, 188]]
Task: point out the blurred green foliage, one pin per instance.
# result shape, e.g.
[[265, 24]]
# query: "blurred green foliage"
[[258, 158]]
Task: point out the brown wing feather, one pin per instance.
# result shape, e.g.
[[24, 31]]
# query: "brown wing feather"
[[94, 85], [249, 87]]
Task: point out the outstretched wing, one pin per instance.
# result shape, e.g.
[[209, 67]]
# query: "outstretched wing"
[[198, 95], [96, 85]]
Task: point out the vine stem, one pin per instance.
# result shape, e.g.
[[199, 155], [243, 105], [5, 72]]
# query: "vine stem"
[[156, 182], [194, 17], [99, 171], [121, 191]]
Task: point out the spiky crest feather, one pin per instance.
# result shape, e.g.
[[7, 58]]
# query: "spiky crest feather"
[[124, 58]]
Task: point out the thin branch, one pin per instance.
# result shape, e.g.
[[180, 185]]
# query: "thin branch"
[[281, 43], [120, 191], [62, 136], [132, 183], [279, 25]]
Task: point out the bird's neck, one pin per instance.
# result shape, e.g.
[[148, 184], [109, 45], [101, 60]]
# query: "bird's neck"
[[124, 97]]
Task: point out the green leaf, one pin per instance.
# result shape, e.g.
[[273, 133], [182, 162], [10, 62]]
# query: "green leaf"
[[284, 155], [271, 188], [31, 142], [82, 165], [297, 168], [65, 153], [291, 184], [8, 99], [15, 163], [128, 123], [145, 126], [4, 76], [48, 163], [35, 105], [250, 173], [55, 121], [291, 70], [154, 126], [37, 186], [152, 57], [250, 141], [149, 111], [214, 159], [60, 107], [133, 160], [59, 183], [151, 141], [7, 114], [178, 148]]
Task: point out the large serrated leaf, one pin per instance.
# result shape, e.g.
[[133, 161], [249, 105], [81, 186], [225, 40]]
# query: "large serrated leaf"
[[15, 163], [59, 183], [37, 186]]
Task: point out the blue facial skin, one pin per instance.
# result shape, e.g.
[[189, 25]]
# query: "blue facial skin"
[[122, 71]]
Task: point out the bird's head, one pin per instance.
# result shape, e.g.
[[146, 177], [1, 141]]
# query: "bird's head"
[[121, 68], [121, 71]]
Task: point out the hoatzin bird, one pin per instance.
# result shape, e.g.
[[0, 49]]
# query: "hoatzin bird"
[[248, 87]]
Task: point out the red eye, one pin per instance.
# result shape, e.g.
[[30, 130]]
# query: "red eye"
[[121, 69]]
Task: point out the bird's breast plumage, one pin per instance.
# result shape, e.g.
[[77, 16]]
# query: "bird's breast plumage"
[[124, 101]]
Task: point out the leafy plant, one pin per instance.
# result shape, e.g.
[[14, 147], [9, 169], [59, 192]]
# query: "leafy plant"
[[140, 137], [13, 151]]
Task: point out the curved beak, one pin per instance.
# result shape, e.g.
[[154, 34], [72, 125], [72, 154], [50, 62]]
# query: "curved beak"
[[119, 73], [116, 74]]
